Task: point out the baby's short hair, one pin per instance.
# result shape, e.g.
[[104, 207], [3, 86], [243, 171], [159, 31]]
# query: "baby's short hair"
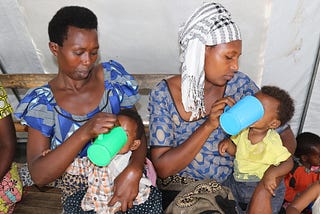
[[286, 106], [136, 117]]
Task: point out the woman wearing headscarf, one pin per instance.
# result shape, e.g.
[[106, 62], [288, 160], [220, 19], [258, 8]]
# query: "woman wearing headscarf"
[[185, 109]]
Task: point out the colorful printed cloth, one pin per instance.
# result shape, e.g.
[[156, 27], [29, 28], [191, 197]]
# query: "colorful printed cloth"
[[167, 128], [101, 181], [11, 186], [40, 110], [10, 190], [5, 107]]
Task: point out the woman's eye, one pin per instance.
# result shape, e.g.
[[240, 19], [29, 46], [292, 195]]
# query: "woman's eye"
[[229, 57], [78, 53]]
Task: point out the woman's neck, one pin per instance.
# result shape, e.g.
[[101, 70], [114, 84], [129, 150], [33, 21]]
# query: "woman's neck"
[[212, 93]]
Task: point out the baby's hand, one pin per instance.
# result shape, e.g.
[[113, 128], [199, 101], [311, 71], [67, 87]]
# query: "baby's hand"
[[269, 183], [223, 146]]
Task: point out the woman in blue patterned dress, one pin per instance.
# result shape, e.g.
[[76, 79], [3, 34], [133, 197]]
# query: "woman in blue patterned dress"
[[185, 109], [81, 102]]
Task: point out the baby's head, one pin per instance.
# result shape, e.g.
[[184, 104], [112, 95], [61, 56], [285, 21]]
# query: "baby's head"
[[308, 149], [278, 107], [132, 123]]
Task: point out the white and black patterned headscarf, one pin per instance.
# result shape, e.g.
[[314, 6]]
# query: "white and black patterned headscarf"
[[210, 24]]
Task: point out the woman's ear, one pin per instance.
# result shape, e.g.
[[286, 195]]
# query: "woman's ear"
[[135, 144], [53, 48]]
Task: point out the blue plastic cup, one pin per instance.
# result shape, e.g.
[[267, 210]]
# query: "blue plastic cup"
[[106, 146], [241, 115]]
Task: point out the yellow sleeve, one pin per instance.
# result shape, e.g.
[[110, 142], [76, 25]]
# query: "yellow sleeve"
[[5, 107]]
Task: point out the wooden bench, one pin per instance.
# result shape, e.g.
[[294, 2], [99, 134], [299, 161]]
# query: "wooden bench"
[[36, 201], [26, 81], [47, 200]]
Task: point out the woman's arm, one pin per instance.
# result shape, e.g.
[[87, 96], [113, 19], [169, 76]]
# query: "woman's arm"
[[308, 196], [45, 169], [7, 144], [289, 140], [170, 160]]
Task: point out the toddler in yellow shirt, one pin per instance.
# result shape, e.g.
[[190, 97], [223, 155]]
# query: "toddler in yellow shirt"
[[258, 150]]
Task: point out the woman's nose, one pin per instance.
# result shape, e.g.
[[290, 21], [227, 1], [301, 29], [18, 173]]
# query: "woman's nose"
[[86, 59], [235, 65]]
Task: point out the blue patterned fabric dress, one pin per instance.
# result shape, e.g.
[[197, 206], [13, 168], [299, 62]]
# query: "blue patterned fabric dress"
[[39, 110], [167, 128]]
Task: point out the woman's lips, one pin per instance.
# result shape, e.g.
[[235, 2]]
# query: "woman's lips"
[[228, 77]]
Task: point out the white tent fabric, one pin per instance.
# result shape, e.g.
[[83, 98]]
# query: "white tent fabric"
[[293, 40], [280, 41], [18, 53]]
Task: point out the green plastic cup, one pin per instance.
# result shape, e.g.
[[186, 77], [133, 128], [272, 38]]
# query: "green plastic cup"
[[106, 146]]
